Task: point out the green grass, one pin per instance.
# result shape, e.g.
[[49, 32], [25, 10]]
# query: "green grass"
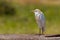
[[24, 21]]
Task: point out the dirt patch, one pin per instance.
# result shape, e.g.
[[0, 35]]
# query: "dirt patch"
[[28, 37], [19, 37]]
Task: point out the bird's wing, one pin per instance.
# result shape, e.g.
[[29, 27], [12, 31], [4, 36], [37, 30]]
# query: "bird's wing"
[[42, 18]]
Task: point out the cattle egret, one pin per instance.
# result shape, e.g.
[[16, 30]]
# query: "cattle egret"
[[40, 19]]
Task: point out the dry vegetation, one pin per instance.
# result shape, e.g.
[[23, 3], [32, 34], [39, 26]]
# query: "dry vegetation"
[[46, 2]]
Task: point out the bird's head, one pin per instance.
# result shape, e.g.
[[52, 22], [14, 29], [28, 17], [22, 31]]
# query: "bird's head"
[[36, 11]]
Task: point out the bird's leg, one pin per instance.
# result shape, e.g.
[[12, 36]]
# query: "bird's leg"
[[39, 31], [42, 30]]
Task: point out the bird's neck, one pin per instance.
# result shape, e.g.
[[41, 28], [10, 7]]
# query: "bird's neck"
[[37, 13]]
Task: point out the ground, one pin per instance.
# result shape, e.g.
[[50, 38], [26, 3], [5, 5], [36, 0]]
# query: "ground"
[[28, 37]]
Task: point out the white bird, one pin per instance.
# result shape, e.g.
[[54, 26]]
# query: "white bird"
[[40, 19]]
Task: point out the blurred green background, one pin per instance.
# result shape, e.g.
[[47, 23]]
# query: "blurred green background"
[[16, 18]]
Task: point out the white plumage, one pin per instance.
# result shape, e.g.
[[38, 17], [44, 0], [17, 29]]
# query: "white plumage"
[[40, 19]]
